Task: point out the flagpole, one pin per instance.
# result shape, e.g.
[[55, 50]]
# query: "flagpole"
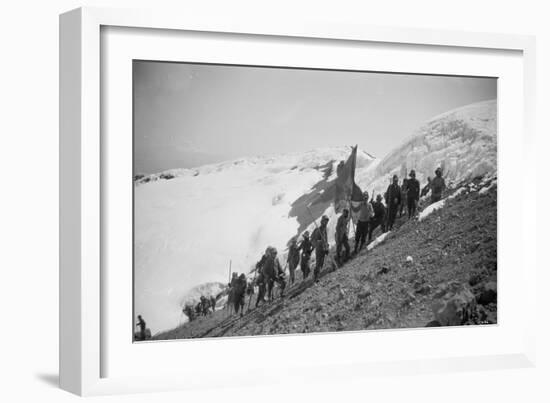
[[354, 151], [351, 217]]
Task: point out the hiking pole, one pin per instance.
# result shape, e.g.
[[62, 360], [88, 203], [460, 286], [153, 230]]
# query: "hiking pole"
[[351, 219]]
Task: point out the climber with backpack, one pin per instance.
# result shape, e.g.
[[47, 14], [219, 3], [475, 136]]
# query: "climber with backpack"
[[320, 243]]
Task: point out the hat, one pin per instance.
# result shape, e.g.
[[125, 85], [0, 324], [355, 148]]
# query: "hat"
[[305, 234], [412, 173], [324, 218]]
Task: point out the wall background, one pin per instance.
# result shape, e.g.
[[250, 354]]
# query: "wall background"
[[29, 201]]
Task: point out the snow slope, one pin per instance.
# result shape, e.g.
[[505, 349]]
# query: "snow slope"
[[190, 223]]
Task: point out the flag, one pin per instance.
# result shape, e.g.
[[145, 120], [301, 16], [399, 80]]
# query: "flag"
[[342, 191], [347, 194]]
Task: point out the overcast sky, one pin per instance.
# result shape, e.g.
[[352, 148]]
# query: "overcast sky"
[[188, 115]]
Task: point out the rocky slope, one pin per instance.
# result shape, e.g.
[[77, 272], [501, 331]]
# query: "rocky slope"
[[450, 281]]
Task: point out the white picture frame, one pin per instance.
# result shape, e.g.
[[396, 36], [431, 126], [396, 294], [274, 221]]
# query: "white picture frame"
[[85, 344]]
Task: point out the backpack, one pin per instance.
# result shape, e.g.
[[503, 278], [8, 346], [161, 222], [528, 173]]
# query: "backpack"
[[316, 238]]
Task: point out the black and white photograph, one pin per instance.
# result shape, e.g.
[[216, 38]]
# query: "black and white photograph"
[[276, 200]]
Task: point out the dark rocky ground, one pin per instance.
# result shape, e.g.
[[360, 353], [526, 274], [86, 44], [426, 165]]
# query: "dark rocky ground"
[[450, 281]]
